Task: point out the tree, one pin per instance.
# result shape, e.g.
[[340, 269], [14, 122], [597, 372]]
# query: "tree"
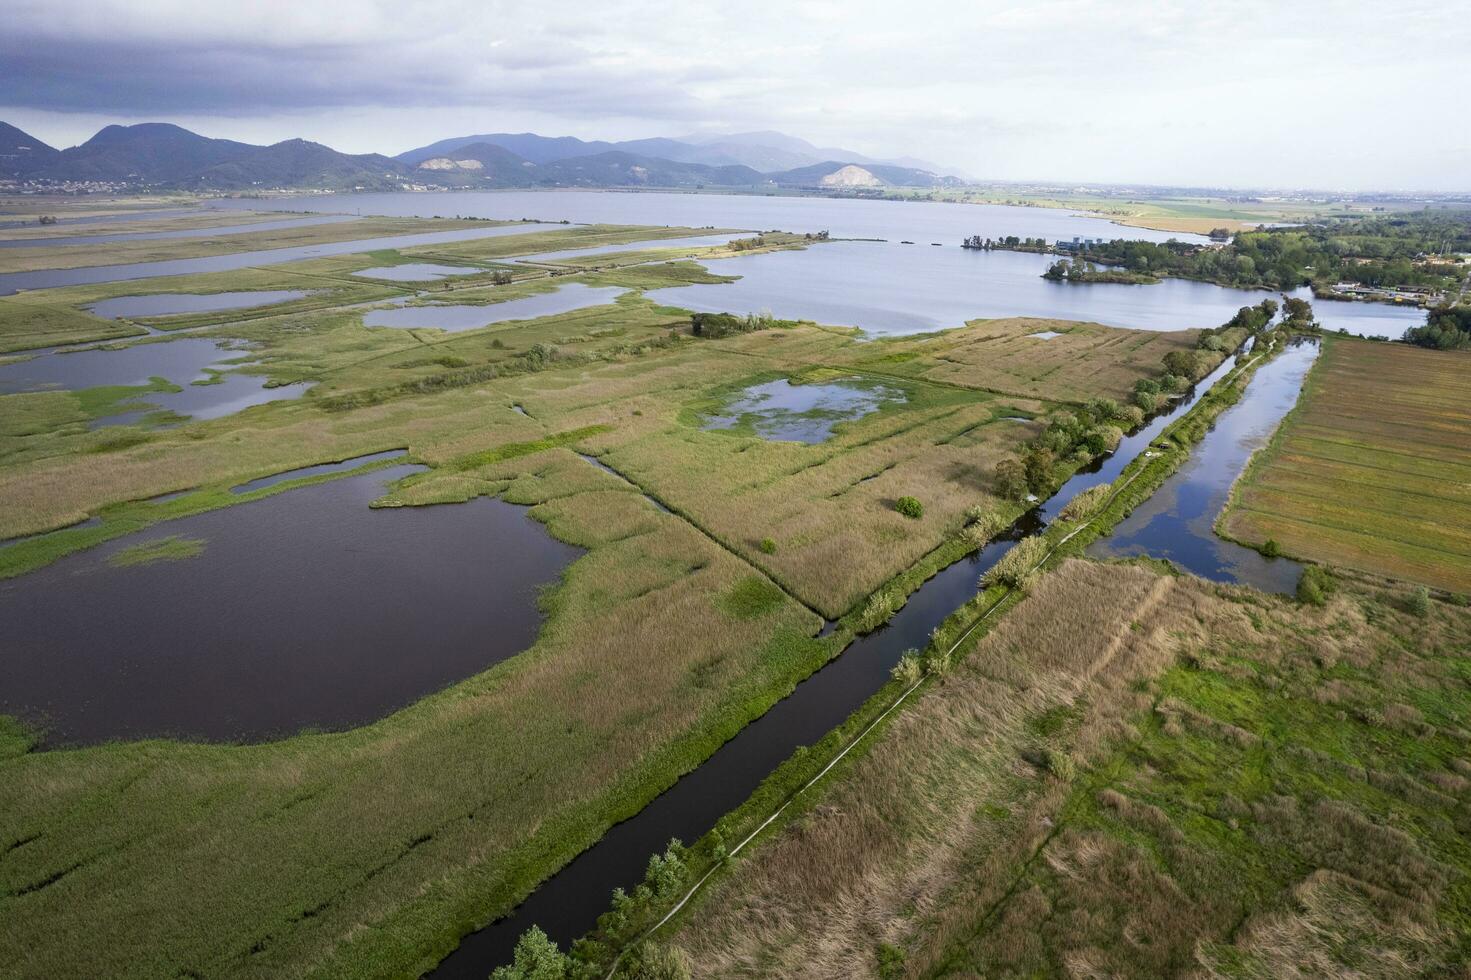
[[1038, 464], [536, 958], [1011, 479]]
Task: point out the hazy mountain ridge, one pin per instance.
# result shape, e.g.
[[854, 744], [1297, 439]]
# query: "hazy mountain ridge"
[[165, 155]]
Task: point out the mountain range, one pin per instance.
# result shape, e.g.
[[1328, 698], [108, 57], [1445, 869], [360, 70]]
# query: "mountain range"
[[165, 155]]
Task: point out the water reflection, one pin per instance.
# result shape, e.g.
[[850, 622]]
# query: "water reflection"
[[780, 410]]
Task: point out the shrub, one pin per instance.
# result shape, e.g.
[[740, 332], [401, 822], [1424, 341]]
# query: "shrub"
[[652, 961], [1087, 503], [1271, 549], [1420, 602], [878, 609], [536, 958], [768, 546], [1017, 567], [1060, 764], [909, 507], [909, 669], [666, 871], [1315, 585]]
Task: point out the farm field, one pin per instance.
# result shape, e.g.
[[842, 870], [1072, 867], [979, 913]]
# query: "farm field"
[[1373, 469], [442, 815], [1132, 774]]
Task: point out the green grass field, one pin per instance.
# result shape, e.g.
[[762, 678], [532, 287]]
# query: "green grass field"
[[1372, 470]]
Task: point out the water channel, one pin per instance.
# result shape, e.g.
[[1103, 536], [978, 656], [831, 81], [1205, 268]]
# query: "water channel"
[[568, 903]]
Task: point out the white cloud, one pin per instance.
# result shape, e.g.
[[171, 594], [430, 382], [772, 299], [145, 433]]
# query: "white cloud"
[[1250, 92]]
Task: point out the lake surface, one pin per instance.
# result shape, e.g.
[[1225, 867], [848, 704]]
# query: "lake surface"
[[168, 304], [146, 236], [573, 296], [922, 221], [10, 282], [568, 903], [892, 289], [180, 361], [1178, 521], [782, 411], [304, 609]]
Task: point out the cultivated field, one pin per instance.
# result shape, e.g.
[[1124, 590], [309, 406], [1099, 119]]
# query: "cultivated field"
[[1135, 775], [1372, 470]]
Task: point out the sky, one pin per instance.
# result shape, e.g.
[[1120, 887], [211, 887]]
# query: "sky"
[[1235, 93]]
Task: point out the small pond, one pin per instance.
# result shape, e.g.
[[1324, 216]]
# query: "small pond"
[[783, 411], [304, 609], [573, 296]]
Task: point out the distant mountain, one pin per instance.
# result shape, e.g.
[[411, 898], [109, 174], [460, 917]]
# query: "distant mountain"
[[164, 155], [299, 163], [20, 152], [158, 153], [478, 164], [619, 169], [765, 151], [836, 174]]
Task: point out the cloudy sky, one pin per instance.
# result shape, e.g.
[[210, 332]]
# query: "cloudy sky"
[[1235, 93]]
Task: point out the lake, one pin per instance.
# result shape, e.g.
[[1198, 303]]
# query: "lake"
[[305, 609], [892, 289]]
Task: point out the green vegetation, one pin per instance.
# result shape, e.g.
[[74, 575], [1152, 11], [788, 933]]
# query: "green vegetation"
[[1138, 772], [1371, 470], [1447, 328], [172, 548], [909, 507]]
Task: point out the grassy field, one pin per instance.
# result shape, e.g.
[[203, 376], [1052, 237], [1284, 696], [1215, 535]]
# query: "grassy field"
[[369, 852], [1136, 775], [1372, 470], [1088, 360]]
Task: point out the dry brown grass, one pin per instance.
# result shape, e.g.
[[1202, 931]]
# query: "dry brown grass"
[[1109, 786], [1088, 360]]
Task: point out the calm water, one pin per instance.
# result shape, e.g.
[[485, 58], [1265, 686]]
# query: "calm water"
[[180, 361], [305, 609], [922, 221], [783, 411], [146, 236], [417, 272], [13, 281], [167, 304], [902, 289], [1177, 522], [573, 296], [568, 903]]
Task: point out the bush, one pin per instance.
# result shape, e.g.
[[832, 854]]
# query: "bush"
[[1315, 585], [1271, 549], [1420, 602], [536, 958], [768, 546], [909, 507], [1087, 503], [652, 961], [909, 669], [1017, 567]]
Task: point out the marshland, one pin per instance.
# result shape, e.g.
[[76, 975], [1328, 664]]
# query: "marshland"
[[496, 581]]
